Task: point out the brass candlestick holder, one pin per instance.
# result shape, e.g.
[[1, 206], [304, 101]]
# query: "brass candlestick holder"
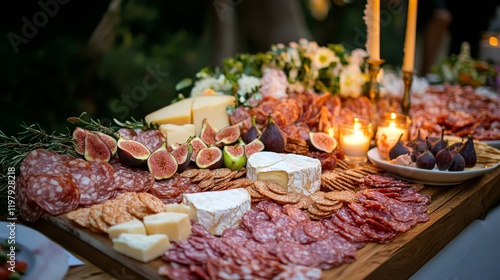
[[406, 102], [373, 69], [373, 92]]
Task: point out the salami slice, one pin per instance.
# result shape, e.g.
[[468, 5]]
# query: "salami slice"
[[28, 209], [282, 221], [295, 213], [326, 253], [264, 232], [53, 193], [132, 179], [84, 179], [104, 175], [314, 229], [294, 253], [39, 161], [253, 217], [399, 210], [167, 188], [300, 235], [176, 271], [151, 138]]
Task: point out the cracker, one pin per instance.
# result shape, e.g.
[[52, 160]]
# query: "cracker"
[[207, 184], [317, 212], [242, 172], [276, 188], [80, 216], [344, 196], [111, 210], [124, 217], [319, 198], [333, 208], [153, 203], [190, 173], [221, 172], [138, 209], [202, 175], [96, 222], [303, 203], [254, 194]]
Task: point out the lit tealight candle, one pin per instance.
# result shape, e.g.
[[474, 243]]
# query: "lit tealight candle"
[[390, 128], [355, 141]]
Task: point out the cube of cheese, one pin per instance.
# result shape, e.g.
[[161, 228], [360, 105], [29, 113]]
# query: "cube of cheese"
[[181, 208], [298, 173], [177, 134], [212, 107], [134, 226], [141, 247], [176, 113], [176, 225], [219, 210]]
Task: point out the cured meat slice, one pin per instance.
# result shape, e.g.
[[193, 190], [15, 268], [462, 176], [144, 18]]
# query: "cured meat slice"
[[298, 272], [177, 271], [399, 210], [345, 247], [253, 217], [235, 237], [40, 161], [314, 229], [53, 193], [84, 179], [151, 138], [104, 175], [264, 232], [295, 213], [294, 253], [326, 253], [168, 188], [270, 207], [132, 179], [28, 209], [282, 221], [300, 235], [285, 233], [350, 232]]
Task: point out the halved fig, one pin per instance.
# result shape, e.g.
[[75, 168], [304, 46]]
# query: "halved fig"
[[197, 145], [161, 163], [322, 142], [234, 156], [79, 138], [95, 148], [209, 158], [182, 155], [207, 132], [132, 153], [253, 147], [228, 135], [110, 141]]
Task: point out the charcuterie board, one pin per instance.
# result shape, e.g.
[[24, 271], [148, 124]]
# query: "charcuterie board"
[[451, 210]]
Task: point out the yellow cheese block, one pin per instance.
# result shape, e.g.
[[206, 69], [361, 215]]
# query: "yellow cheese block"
[[181, 208], [176, 113], [134, 226], [176, 225], [212, 107], [177, 134], [142, 247]]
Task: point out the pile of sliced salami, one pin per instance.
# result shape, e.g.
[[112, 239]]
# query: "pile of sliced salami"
[[282, 242], [57, 184]]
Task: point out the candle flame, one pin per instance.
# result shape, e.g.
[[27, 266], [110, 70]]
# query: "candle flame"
[[357, 125], [331, 131], [393, 116], [493, 41]]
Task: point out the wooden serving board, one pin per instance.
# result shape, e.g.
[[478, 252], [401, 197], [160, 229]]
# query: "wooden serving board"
[[452, 209]]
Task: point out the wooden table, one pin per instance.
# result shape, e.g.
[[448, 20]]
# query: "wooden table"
[[452, 209]]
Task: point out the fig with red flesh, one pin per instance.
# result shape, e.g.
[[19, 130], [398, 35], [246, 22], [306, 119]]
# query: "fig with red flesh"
[[79, 138], [228, 135], [132, 153], [208, 132], [95, 148], [253, 133], [162, 164], [234, 156], [322, 142], [209, 158], [273, 137], [197, 145], [253, 147], [110, 142], [182, 155]]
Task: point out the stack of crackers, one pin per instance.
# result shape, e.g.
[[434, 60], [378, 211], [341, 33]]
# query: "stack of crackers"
[[217, 179]]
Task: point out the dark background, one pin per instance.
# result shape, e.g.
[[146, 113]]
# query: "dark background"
[[60, 71]]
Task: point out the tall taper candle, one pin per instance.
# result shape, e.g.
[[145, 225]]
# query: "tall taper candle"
[[411, 30], [374, 31]]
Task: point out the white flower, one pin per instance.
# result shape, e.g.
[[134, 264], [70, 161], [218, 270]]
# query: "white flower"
[[274, 83], [351, 81], [247, 84], [323, 58], [358, 57], [219, 85], [296, 87], [293, 54]]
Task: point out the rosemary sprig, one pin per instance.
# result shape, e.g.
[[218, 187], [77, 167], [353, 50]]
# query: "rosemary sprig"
[[96, 125]]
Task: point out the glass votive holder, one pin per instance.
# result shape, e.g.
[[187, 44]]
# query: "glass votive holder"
[[355, 137], [390, 127]]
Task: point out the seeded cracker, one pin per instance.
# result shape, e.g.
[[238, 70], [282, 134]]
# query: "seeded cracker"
[[111, 210], [254, 194], [276, 188], [80, 216], [203, 174], [137, 208], [190, 173], [319, 198], [206, 184], [344, 196], [221, 172], [96, 222], [153, 203]]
